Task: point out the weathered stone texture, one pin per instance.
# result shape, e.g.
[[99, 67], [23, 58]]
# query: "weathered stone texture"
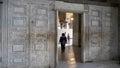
[[102, 33], [0, 34], [30, 34]]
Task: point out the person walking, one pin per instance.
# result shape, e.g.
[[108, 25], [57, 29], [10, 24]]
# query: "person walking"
[[63, 41]]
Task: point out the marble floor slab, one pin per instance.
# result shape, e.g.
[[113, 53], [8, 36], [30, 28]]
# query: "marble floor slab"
[[71, 58]]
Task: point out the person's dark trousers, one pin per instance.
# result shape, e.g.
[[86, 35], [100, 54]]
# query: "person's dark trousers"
[[63, 48]]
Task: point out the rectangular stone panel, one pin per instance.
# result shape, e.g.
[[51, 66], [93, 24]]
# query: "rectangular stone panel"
[[95, 13], [107, 29], [18, 48], [107, 23], [95, 53], [40, 30], [41, 23], [95, 23], [19, 35], [95, 39], [17, 60], [41, 11], [95, 29], [108, 14], [41, 35], [19, 10], [107, 18], [18, 22], [41, 17], [39, 47], [41, 59]]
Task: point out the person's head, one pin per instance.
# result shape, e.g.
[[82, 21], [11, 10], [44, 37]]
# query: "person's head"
[[63, 34]]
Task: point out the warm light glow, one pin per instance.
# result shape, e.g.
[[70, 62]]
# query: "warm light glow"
[[69, 15], [72, 19], [72, 59]]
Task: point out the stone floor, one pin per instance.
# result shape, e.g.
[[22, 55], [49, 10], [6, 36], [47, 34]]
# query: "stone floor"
[[106, 64], [72, 54], [69, 59]]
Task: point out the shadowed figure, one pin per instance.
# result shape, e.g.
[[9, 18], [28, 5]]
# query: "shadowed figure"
[[63, 41], [68, 38]]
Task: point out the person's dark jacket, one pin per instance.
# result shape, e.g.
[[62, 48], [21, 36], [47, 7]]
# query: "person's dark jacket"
[[63, 40]]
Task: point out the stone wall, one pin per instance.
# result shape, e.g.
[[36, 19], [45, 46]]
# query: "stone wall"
[[0, 34], [102, 33], [76, 30], [119, 31], [25, 43], [99, 30]]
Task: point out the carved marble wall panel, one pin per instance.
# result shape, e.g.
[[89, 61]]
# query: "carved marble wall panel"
[[95, 40], [18, 48], [20, 9], [107, 23], [40, 46], [38, 57], [108, 14], [95, 52], [107, 33], [95, 13], [18, 22], [26, 40], [17, 35], [39, 23], [40, 40], [101, 25], [95, 31], [41, 12], [95, 23], [95, 27], [18, 60]]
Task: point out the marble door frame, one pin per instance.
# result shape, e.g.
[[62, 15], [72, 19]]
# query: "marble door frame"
[[75, 8]]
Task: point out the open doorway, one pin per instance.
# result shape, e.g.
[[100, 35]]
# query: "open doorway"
[[65, 25], [70, 24]]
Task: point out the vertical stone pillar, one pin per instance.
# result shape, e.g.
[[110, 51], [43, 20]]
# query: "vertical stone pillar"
[[119, 31]]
